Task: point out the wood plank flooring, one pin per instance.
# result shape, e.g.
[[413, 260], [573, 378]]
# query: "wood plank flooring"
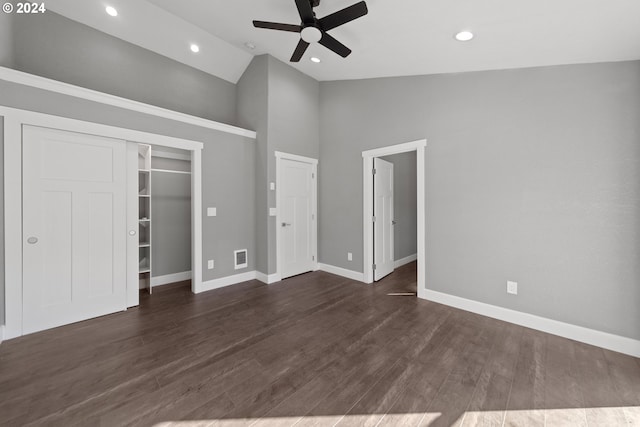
[[313, 350]]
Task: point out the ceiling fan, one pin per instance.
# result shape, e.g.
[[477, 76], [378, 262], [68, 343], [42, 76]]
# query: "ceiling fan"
[[314, 30]]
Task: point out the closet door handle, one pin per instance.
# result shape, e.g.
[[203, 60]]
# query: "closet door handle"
[[132, 232], [32, 240], [286, 224]]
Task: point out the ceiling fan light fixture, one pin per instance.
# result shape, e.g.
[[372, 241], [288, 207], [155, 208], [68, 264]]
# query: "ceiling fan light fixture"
[[464, 36], [111, 11], [194, 48], [311, 34], [314, 59]]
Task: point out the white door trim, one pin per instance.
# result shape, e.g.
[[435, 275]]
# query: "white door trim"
[[367, 208], [314, 208], [14, 119]]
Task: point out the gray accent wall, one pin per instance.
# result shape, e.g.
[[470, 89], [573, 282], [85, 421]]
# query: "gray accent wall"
[[252, 113], [532, 175], [2, 221], [405, 204], [283, 106], [170, 222], [6, 40], [294, 127], [228, 180], [58, 48]]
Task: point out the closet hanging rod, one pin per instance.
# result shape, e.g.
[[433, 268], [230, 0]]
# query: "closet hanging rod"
[[170, 171]]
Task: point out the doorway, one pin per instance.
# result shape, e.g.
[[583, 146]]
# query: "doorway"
[[369, 159], [296, 217]]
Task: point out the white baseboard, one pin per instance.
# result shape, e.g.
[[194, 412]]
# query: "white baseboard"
[[267, 278], [349, 274], [578, 333], [170, 278], [406, 260], [226, 281]]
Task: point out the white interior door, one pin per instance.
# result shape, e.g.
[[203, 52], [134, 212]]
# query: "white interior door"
[[74, 227], [296, 217], [383, 258]]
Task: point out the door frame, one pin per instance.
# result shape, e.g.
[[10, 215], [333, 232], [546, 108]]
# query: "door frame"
[[419, 147], [314, 208], [14, 119]]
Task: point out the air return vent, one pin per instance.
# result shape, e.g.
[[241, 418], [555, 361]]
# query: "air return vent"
[[240, 259]]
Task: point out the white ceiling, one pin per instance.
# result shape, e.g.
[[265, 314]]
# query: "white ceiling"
[[407, 37]]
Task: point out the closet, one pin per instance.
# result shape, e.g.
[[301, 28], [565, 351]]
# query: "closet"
[[164, 184]]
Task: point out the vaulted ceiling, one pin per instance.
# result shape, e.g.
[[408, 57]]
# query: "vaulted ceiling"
[[407, 37]]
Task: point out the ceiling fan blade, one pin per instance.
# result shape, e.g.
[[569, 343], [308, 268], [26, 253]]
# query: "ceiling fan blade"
[[343, 16], [305, 10], [334, 45], [300, 50], [277, 26]]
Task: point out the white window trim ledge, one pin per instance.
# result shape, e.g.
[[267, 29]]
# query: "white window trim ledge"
[[22, 78]]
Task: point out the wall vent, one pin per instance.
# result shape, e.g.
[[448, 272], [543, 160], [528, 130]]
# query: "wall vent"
[[240, 259]]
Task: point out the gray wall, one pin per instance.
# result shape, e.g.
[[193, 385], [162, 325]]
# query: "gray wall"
[[228, 168], [282, 105], [294, 126], [405, 204], [6, 40], [252, 113], [170, 222], [532, 175], [2, 222], [53, 46]]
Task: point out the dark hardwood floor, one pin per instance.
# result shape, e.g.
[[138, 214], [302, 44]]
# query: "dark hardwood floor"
[[313, 350]]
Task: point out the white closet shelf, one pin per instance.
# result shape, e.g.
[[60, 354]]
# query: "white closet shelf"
[[144, 245]]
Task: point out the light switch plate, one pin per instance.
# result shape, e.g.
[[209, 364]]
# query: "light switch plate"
[[210, 264], [273, 211], [512, 287], [212, 211], [349, 256], [272, 185]]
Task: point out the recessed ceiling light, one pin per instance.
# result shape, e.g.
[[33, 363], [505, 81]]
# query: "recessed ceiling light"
[[314, 59], [195, 48], [464, 36], [250, 45], [111, 11]]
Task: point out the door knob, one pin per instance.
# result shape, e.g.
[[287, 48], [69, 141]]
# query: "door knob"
[[32, 240], [132, 232], [393, 222], [285, 224]]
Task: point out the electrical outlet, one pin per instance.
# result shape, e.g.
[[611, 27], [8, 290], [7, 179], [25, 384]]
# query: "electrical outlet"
[[512, 287], [210, 264], [349, 256]]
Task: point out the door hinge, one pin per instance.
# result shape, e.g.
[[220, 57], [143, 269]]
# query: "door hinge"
[[313, 175], [374, 171], [374, 266], [313, 257], [374, 219], [313, 217]]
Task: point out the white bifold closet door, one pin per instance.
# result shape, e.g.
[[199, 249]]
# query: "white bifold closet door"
[[74, 227]]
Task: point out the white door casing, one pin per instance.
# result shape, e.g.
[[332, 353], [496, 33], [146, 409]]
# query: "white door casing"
[[368, 157], [383, 242], [75, 227], [296, 217]]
